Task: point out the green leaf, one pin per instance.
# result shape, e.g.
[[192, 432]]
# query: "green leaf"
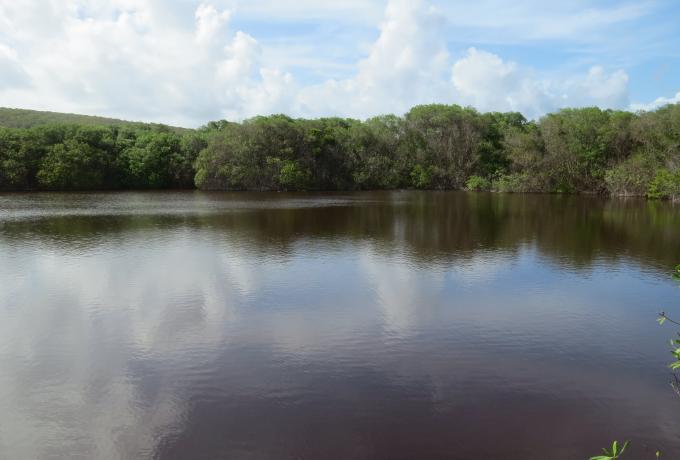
[[625, 444]]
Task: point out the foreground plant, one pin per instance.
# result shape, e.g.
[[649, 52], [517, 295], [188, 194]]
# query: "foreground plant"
[[676, 275], [675, 343], [612, 453]]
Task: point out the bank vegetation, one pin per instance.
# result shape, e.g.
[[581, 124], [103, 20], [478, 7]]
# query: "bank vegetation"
[[436, 146]]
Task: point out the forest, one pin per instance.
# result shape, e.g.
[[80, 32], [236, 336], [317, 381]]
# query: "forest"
[[437, 147]]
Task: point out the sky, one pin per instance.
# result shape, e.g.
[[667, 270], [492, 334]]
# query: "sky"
[[187, 62]]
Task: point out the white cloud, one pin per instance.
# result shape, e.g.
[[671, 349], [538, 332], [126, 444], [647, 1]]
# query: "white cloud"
[[599, 88], [406, 65], [180, 62], [656, 103], [131, 60], [209, 23], [485, 81], [12, 73]]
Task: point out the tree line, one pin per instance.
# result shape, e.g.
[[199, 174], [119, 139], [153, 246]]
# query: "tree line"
[[431, 147]]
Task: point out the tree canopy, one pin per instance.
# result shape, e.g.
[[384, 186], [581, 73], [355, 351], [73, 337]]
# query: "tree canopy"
[[432, 146]]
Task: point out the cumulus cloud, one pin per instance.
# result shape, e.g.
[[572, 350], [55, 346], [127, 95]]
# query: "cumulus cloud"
[[136, 60], [409, 64], [209, 23], [599, 88], [656, 103], [406, 65], [485, 81], [182, 63]]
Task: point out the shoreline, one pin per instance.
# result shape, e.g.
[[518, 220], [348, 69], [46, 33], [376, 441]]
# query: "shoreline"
[[329, 192]]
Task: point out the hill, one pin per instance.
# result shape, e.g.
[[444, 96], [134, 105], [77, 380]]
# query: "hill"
[[23, 118]]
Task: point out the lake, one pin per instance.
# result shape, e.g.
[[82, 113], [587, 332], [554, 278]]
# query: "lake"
[[377, 325]]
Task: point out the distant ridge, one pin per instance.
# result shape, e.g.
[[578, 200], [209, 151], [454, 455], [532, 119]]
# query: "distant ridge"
[[23, 118]]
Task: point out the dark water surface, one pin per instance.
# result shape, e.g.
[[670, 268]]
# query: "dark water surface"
[[390, 325]]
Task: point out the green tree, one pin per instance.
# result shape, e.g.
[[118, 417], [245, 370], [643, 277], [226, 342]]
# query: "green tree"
[[576, 148], [157, 160], [73, 164], [445, 141]]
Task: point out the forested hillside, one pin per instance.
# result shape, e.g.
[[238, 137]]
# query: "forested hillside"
[[22, 118], [430, 147]]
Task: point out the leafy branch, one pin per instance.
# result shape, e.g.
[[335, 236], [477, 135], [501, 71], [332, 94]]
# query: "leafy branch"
[[613, 452]]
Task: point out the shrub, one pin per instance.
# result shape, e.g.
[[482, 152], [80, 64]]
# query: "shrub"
[[477, 183], [665, 185], [293, 177], [421, 177], [517, 183], [630, 178]]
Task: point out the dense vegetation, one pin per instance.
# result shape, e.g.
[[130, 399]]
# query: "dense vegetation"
[[431, 147], [22, 118]]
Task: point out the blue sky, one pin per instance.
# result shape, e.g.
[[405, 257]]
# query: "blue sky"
[[187, 62]]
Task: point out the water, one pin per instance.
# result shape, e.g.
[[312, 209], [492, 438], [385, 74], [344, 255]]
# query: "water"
[[388, 325]]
